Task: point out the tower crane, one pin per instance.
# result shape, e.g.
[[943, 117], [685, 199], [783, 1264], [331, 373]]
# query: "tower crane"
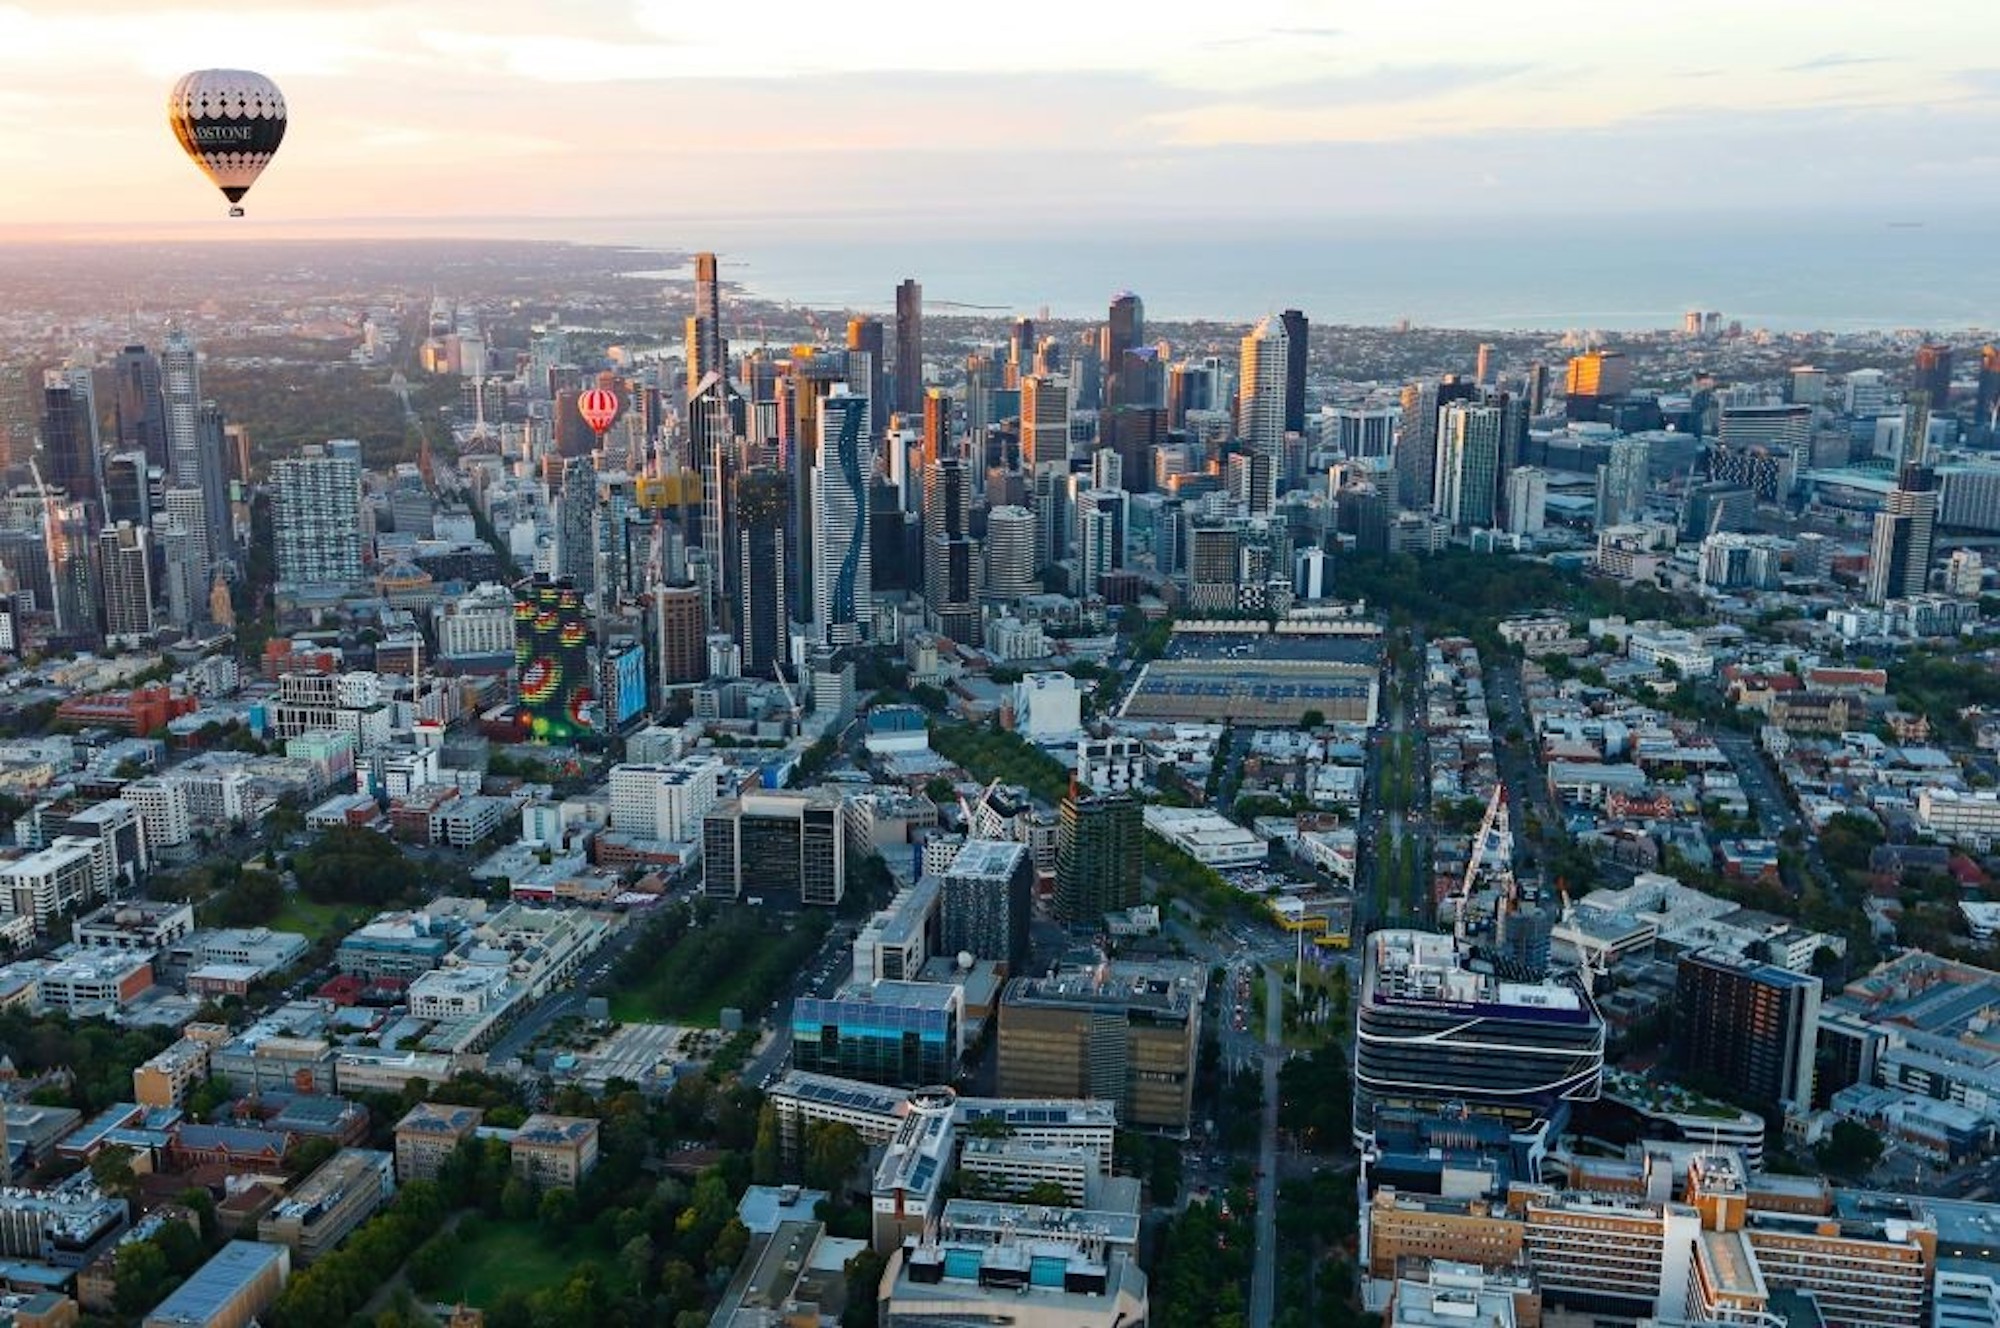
[[1496, 816], [50, 548]]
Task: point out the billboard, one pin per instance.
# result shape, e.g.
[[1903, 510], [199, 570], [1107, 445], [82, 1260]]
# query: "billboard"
[[552, 659]]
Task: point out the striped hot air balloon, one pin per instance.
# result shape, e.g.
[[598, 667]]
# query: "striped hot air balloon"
[[599, 407]]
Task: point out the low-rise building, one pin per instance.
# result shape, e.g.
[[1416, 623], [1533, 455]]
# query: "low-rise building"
[[428, 1134], [344, 1192], [1210, 839], [231, 1290], [139, 925], [555, 1151]]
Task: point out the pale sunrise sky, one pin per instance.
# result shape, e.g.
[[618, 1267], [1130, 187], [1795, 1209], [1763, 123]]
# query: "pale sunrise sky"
[[1089, 113]]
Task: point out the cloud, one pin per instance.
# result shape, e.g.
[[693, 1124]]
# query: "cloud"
[[1835, 62]]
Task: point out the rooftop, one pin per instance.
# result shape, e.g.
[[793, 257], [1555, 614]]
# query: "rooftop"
[[201, 1298]]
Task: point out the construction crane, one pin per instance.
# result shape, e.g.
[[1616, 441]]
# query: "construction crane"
[[1496, 809], [791, 697], [965, 808], [50, 547]]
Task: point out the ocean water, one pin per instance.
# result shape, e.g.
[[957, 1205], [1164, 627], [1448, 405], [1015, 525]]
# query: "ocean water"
[[1828, 274]]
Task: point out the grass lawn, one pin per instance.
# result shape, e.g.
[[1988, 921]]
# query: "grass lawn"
[[316, 920], [498, 1257]]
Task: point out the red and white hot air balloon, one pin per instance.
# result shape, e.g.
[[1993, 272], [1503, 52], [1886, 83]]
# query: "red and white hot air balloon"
[[599, 407]]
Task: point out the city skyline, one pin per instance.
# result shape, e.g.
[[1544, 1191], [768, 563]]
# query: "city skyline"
[[403, 116]]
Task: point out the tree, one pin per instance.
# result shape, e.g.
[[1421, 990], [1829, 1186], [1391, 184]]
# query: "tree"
[[635, 1258], [1849, 1149], [833, 1150], [864, 1287], [1313, 719], [765, 1157], [556, 1210], [1047, 1193], [111, 1171], [517, 1200], [141, 1273]]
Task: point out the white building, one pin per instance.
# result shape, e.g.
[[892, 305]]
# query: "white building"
[[1527, 500], [1212, 840], [51, 881], [1048, 708], [664, 802], [1684, 650], [1970, 820], [1111, 765], [163, 811], [477, 623]]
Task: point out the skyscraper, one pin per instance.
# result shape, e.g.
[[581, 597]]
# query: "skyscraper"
[[1261, 385], [180, 386], [953, 569], [1933, 375], [763, 509], [212, 476], [1527, 500], [1899, 556], [1100, 537], [1010, 552], [1124, 328], [1468, 464], [1753, 1027], [1482, 372], [1416, 447], [1595, 376], [938, 438], [865, 336], [125, 566], [1296, 343], [715, 429], [317, 518], [1099, 842], [1987, 404], [707, 350], [140, 404], [128, 490], [67, 459], [1044, 423], [909, 344], [1622, 483], [842, 587], [1020, 352]]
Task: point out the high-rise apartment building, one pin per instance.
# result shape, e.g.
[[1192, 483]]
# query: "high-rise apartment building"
[[1294, 323], [909, 344], [1527, 500], [1932, 374], [842, 587], [1100, 536], [1468, 464], [707, 349], [1261, 385], [125, 570], [1416, 448], [1752, 1027], [180, 386], [1010, 553], [762, 509], [953, 567], [1905, 537], [866, 336], [1621, 483], [987, 902], [1986, 404], [316, 518], [1099, 843]]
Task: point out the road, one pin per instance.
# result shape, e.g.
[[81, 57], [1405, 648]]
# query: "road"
[[560, 1005], [1264, 1274]]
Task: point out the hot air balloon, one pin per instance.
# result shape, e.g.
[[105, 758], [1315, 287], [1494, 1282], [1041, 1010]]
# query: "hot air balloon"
[[599, 407], [230, 122]]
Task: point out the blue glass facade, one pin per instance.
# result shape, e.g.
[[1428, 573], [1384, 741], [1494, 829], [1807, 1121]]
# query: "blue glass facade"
[[901, 1045]]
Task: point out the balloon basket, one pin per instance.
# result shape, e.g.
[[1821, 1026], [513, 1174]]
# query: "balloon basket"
[[236, 212]]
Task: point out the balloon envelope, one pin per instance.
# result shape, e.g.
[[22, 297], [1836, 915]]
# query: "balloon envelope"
[[599, 407], [230, 123]]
